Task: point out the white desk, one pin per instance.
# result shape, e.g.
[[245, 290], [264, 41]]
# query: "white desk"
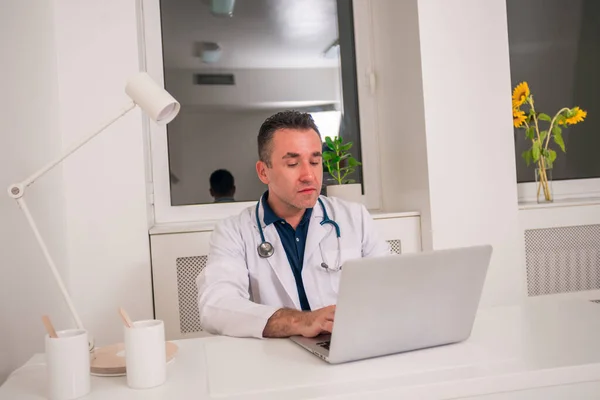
[[547, 349]]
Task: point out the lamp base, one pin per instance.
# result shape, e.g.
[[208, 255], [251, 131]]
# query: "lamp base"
[[110, 360]]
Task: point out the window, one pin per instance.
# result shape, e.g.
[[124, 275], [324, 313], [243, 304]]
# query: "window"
[[328, 123], [232, 72], [555, 47]]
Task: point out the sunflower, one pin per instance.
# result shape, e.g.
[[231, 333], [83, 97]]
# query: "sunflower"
[[520, 94], [518, 117], [577, 115]]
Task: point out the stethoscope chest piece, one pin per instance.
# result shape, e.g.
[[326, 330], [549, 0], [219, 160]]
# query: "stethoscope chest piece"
[[265, 250]]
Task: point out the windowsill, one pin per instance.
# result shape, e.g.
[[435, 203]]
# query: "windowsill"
[[573, 202], [208, 225]]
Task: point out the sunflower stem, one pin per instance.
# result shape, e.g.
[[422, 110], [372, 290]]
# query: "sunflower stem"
[[552, 124], [543, 181], [537, 129]]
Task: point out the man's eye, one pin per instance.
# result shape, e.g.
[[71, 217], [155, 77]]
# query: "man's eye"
[[315, 163], [292, 165]]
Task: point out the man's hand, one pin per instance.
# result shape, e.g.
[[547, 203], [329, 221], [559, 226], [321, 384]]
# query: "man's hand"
[[286, 322], [316, 322]]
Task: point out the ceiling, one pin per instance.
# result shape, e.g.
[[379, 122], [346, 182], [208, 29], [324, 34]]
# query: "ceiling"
[[260, 34]]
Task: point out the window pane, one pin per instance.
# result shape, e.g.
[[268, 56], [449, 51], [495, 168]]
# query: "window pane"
[[232, 72], [555, 47]]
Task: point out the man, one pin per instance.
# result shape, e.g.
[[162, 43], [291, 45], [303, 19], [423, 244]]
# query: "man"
[[222, 186], [274, 270]]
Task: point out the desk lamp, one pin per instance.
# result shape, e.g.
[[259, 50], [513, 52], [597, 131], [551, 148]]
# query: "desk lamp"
[[157, 103]]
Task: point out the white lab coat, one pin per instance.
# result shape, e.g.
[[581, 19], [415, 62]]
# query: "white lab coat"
[[238, 291]]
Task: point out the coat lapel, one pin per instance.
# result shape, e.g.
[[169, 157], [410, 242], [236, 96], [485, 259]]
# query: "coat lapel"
[[316, 232], [278, 261]]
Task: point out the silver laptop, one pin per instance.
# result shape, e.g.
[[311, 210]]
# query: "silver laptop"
[[398, 303]]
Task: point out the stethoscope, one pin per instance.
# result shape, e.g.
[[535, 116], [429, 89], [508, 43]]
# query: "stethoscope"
[[265, 249]]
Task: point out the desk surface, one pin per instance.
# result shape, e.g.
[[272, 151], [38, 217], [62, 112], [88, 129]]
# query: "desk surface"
[[544, 348]]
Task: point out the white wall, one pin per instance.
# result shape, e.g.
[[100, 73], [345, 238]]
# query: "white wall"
[[201, 142], [30, 137], [470, 148], [276, 88], [400, 113], [446, 129], [108, 244], [69, 63]]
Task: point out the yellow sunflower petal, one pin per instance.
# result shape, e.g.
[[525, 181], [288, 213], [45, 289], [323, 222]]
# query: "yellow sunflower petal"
[[518, 118], [578, 115], [520, 94]]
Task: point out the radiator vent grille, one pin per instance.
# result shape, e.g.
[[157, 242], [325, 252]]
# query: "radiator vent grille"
[[396, 246], [562, 260], [214, 79], [188, 269]]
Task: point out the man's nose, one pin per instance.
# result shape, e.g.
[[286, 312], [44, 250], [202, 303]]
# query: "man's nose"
[[307, 174]]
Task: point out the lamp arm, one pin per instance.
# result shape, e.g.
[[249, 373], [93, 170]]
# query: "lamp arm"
[[40, 240], [17, 190]]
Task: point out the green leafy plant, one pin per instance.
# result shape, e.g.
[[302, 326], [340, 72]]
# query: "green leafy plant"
[[338, 160]]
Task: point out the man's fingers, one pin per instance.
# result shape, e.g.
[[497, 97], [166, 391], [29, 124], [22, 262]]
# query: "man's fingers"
[[327, 326]]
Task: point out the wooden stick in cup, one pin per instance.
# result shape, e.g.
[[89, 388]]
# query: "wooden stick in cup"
[[125, 317], [49, 327]]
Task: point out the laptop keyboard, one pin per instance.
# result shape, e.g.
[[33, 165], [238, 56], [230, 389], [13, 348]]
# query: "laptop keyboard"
[[324, 345]]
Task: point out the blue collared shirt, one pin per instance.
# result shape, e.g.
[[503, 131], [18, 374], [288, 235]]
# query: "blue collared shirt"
[[293, 241]]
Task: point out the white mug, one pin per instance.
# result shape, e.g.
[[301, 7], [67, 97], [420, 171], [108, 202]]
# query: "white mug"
[[68, 365], [145, 354]]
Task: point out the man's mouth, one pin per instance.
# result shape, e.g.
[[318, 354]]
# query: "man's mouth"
[[307, 190]]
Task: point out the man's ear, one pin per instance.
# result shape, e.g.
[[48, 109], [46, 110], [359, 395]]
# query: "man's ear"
[[261, 171]]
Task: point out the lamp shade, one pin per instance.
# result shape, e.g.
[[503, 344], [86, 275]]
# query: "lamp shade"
[[155, 101]]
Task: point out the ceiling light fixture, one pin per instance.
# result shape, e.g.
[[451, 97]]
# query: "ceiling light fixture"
[[222, 8]]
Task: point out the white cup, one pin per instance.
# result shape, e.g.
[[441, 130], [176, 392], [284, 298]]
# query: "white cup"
[[145, 354], [68, 364]]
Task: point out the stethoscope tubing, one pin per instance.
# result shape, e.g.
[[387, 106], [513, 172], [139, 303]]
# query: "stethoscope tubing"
[[265, 249]]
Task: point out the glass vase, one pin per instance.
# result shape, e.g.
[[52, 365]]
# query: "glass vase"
[[543, 183]]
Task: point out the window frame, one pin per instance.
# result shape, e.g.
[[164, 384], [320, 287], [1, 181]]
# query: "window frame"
[[159, 183], [562, 190]]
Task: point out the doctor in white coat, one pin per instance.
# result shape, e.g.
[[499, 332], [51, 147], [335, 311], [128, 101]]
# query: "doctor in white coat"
[[274, 269]]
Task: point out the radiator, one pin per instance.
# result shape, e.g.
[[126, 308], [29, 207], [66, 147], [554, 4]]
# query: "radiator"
[[563, 259]]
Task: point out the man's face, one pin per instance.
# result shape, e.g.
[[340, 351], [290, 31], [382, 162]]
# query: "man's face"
[[296, 172]]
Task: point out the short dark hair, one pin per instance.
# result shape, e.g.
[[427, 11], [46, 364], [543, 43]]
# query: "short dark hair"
[[221, 182], [290, 119]]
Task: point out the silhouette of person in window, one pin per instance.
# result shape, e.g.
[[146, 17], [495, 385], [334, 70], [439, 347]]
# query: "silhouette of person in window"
[[222, 186]]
